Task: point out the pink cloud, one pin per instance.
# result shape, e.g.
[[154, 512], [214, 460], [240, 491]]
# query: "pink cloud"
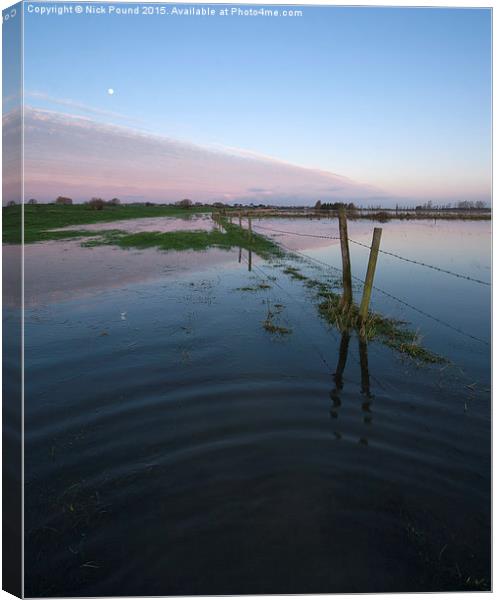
[[79, 157]]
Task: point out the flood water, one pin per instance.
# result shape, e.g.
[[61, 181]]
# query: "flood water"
[[174, 446]]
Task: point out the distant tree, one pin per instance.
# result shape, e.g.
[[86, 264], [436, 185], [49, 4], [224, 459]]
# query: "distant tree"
[[114, 202], [63, 200], [334, 205], [218, 205], [96, 204], [32, 201], [318, 204], [11, 203], [185, 203], [381, 216], [480, 204]]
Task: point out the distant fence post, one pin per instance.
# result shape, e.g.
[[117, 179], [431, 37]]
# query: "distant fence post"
[[372, 263], [249, 221], [240, 219], [347, 293]]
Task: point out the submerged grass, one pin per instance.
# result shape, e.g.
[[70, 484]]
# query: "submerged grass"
[[295, 273], [269, 323], [233, 236], [272, 328], [256, 288], [390, 332]]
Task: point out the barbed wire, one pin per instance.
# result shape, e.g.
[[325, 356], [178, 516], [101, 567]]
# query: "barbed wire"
[[302, 328], [393, 297], [422, 264], [393, 254], [295, 300], [323, 237]]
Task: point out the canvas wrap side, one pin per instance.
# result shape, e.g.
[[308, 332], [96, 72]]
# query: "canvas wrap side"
[[12, 190]]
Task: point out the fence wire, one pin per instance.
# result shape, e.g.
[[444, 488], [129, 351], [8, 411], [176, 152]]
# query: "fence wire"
[[392, 254], [393, 297]]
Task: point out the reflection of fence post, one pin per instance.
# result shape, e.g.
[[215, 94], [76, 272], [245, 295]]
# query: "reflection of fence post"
[[335, 394], [240, 254], [372, 263], [341, 362], [365, 377], [250, 260], [347, 293]]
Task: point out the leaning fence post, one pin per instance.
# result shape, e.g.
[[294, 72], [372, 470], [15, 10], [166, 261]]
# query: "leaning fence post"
[[347, 294], [372, 263]]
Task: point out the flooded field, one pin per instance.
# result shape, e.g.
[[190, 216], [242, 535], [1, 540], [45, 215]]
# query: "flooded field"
[[190, 223], [176, 444]]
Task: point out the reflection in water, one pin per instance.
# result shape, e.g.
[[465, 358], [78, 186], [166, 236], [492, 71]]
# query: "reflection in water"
[[335, 394], [365, 378], [56, 271], [338, 375], [146, 224], [180, 450]]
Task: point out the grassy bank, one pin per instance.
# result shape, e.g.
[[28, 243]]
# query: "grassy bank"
[[39, 219]]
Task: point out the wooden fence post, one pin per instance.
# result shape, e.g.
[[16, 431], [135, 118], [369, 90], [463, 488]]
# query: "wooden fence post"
[[347, 293], [240, 219], [249, 221], [372, 263]]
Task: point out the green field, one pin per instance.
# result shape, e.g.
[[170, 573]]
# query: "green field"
[[39, 219]]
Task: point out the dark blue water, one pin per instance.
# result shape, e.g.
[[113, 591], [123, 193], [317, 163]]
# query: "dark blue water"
[[173, 446]]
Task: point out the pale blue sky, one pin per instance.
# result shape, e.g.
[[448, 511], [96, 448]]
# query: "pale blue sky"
[[393, 97]]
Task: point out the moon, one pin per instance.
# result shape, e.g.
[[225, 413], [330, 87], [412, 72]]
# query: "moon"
[[110, 91]]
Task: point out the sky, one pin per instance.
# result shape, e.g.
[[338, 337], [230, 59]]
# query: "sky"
[[378, 105]]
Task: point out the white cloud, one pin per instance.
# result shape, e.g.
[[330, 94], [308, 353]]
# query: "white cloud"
[[78, 106]]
